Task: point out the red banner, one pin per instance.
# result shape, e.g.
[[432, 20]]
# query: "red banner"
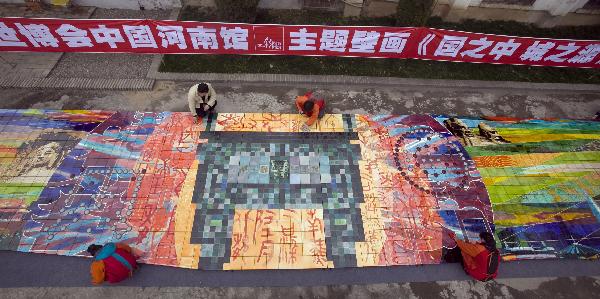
[[176, 37]]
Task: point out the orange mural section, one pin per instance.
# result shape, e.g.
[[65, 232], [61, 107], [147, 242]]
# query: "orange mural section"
[[165, 162], [278, 239]]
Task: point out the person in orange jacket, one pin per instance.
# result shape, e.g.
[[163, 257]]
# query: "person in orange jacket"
[[112, 262], [313, 108], [479, 260]]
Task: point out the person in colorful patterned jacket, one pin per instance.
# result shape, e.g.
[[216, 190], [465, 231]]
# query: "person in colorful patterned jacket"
[[480, 260], [311, 107], [112, 262]]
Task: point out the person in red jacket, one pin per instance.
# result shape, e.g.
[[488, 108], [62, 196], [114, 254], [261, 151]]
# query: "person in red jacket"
[[313, 108], [480, 260], [112, 262]]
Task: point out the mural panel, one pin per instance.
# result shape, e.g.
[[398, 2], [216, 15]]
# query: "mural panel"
[[543, 178], [245, 191]]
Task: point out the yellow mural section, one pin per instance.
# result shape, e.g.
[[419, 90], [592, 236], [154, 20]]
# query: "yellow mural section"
[[188, 254], [270, 122], [278, 239], [367, 252]]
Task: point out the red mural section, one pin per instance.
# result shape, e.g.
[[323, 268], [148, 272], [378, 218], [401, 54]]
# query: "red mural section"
[[177, 37], [164, 162], [424, 184]]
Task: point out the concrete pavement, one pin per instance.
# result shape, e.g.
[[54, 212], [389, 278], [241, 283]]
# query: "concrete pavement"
[[579, 287], [35, 65], [278, 97], [78, 70], [27, 275]]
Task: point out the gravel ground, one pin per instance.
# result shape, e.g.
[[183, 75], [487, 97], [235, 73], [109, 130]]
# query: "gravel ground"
[[109, 65]]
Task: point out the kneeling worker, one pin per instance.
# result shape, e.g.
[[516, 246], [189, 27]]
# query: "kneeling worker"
[[112, 262], [313, 108], [480, 260]]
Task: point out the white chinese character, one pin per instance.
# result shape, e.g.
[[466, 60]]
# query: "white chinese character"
[[203, 37], [450, 46], [424, 43], [507, 48], [38, 35], [236, 38], [111, 36], [588, 54], [73, 36], [537, 51], [140, 36], [171, 35], [8, 37], [334, 40], [394, 42], [483, 44], [302, 41], [269, 44], [560, 57], [364, 41]]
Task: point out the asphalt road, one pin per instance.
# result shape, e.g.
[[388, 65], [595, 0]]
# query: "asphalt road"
[[40, 270]]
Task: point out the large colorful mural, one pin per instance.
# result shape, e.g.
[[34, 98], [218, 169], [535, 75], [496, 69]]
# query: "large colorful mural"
[[543, 179], [255, 191]]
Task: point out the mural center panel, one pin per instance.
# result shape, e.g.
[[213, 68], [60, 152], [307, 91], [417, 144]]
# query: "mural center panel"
[[277, 171]]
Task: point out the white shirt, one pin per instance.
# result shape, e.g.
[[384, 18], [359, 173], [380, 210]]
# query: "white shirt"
[[196, 101]]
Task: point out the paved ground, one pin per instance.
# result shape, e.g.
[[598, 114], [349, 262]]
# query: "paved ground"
[[509, 288], [244, 97], [97, 65], [77, 65], [36, 275], [36, 65]]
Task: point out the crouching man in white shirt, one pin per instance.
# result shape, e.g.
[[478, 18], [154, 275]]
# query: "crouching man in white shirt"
[[202, 100]]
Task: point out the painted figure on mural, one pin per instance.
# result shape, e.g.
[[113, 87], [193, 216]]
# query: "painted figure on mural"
[[480, 260], [202, 100], [34, 162], [38, 158], [310, 106], [112, 262]]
